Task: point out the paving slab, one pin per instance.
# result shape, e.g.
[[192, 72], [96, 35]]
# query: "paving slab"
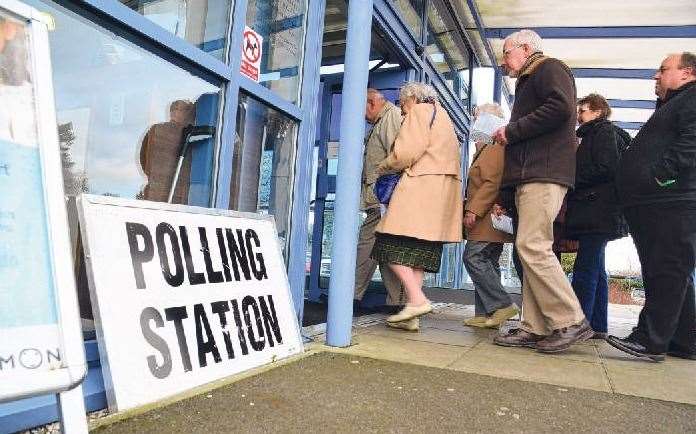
[[340, 393], [400, 350], [671, 380], [428, 334], [579, 367]]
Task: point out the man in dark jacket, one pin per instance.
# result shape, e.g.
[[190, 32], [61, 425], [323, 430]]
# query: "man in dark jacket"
[[540, 165], [657, 188]]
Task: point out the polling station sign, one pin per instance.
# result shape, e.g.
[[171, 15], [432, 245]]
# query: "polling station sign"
[[182, 296]]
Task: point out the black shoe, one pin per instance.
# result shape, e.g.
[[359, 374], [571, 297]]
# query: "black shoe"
[[634, 348], [677, 351]]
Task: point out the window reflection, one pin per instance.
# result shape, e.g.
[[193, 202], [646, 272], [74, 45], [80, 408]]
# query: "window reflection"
[[264, 161], [118, 110], [281, 24], [203, 23], [448, 52]]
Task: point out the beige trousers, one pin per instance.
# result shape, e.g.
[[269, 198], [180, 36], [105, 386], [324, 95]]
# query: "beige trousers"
[[548, 299], [365, 266]]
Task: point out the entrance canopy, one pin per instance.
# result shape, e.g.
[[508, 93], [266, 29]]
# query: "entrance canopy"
[[614, 48]]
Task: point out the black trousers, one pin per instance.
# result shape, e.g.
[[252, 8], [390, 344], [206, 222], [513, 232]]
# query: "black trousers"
[[665, 237]]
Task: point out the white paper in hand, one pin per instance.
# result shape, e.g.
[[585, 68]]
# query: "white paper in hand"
[[502, 223], [484, 126]]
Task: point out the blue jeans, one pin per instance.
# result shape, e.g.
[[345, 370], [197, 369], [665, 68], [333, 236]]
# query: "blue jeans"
[[590, 280]]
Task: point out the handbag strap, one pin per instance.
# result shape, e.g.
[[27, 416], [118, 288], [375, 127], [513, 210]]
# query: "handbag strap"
[[478, 154]]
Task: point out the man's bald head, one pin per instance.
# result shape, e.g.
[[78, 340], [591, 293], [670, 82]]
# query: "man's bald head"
[[375, 104], [675, 71]]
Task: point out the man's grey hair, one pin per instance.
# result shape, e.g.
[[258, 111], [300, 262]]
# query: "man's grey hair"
[[526, 37], [420, 91], [375, 92], [688, 60]]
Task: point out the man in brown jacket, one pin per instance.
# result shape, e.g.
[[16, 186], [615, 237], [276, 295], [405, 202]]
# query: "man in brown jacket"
[[540, 165], [385, 118]]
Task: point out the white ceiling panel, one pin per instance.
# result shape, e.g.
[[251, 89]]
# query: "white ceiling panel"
[[586, 13], [610, 53], [612, 88], [630, 114]]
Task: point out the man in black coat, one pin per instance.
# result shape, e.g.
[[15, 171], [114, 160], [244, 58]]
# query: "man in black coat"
[[657, 188]]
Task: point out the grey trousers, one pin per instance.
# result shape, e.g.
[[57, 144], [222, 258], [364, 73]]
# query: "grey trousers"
[[481, 260], [365, 266]]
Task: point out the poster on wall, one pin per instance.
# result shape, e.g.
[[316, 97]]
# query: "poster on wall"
[[182, 295], [41, 348]]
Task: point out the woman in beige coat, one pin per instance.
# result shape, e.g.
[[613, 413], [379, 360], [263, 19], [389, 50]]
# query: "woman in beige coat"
[[425, 210], [484, 243]]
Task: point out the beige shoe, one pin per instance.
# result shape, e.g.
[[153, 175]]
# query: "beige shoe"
[[410, 311], [477, 321], [501, 315], [411, 325]]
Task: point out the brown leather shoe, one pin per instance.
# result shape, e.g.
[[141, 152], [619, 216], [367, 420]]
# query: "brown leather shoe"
[[517, 338], [562, 339]]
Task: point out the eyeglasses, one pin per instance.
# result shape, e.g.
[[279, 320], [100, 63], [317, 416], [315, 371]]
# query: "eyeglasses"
[[509, 50]]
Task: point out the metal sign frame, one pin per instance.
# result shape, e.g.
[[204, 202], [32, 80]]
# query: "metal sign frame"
[[73, 365]]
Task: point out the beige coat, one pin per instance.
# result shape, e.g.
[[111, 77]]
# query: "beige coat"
[[482, 189], [378, 142], [427, 202]]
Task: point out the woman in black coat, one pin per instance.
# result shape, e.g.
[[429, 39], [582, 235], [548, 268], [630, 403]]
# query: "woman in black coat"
[[593, 216]]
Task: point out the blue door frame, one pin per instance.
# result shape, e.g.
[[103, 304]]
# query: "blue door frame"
[[386, 81]]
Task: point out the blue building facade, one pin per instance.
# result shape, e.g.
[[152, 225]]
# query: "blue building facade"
[[123, 70]]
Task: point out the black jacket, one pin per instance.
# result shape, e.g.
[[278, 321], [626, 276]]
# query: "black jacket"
[[665, 148], [541, 133], [593, 206]]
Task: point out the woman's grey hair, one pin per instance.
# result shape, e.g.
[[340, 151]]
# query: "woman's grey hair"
[[526, 37], [491, 108], [420, 91]]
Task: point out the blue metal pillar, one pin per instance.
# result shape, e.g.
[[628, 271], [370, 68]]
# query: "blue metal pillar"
[[340, 315]]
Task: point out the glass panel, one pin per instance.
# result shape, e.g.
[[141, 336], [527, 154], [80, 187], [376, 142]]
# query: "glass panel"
[[204, 23], [447, 51], [281, 24], [264, 162], [122, 113], [411, 13], [26, 288]]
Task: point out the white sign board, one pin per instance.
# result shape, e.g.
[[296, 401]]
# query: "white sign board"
[[41, 347], [182, 296], [252, 47]]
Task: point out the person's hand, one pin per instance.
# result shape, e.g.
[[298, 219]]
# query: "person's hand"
[[500, 136], [498, 210], [469, 220]]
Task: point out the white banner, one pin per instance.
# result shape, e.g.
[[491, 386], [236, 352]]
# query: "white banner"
[[183, 295]]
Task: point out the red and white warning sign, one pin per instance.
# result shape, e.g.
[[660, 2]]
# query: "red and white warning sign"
[[251, 53]]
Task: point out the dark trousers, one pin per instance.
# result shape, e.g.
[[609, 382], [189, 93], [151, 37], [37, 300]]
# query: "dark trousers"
[[590, 280], [482, 262], [665, 238]]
